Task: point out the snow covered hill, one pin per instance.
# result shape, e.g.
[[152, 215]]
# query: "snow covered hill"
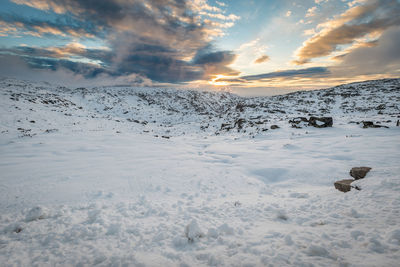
[[172, 112], [153, 176]]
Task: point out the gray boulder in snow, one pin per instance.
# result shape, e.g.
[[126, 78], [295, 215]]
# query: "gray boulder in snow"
[[344, 185], [359, 172], [320, 122]]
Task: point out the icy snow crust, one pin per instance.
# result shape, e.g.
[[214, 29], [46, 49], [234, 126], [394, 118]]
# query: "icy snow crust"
[[149, 177]]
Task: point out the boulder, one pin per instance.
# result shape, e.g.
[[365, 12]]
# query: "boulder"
[[273, 127], [344, 185], [370, 124], [320, 122], [359, 172]]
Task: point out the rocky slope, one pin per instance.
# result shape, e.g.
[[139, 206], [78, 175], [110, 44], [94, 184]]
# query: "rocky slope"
[[173, 112]]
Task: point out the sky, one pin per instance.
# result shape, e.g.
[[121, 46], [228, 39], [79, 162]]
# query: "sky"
[[252, 46]]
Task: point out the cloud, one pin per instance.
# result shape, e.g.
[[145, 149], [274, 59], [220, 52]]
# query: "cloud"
[[262, 59], [16, 67], [72, 51], [14, 25], [379, 57], [164, 40], [7, 28], [248, 53], [309, 32], [364, 60], [308, 72], [371, 18], [311, 12]]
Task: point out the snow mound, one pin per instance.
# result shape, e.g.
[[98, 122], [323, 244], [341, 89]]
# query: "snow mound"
[[193, 232], [37, 213]]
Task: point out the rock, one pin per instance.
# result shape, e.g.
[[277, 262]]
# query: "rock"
[[273, 127], [225, 126], [359, 172], [344, 185], [298, 120], [380, 107], [239, 123], [240, 107], [320, 122], [370, 124]]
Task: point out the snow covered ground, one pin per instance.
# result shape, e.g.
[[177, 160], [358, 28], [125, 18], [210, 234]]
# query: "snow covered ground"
[[149, 177]]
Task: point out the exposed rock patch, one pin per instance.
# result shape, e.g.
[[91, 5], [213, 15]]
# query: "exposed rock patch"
[[318, 122]]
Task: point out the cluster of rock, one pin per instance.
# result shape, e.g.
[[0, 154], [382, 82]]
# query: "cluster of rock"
[[318, 122], [357, 173], [371, 124]]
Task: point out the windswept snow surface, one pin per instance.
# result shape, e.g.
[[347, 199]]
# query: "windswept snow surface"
[[149, 177]]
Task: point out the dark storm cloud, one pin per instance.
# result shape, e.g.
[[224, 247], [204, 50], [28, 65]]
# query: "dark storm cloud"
[[160, 68], [215, 62], [164, 40], [214, 57]]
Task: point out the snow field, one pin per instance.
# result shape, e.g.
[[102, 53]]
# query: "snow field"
[[116, 199], [85, 186]]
